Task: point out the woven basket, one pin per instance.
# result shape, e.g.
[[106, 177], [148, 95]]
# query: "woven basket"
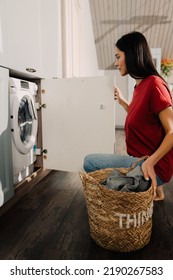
[[119, 221]]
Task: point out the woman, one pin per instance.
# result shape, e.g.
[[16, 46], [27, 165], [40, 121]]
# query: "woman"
[[149, 121]]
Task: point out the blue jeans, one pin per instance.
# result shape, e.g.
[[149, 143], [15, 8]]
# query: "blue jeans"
[[94, 162]]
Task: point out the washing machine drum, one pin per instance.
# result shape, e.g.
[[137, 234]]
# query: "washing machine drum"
[[24, 123]]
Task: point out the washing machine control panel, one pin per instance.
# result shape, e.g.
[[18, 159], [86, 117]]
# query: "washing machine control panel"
[[17, 85], [24, 84]]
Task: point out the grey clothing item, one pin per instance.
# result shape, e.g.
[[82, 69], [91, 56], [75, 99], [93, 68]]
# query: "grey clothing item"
[[132, 181]]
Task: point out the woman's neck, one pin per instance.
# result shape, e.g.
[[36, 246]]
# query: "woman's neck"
[[138, 81]]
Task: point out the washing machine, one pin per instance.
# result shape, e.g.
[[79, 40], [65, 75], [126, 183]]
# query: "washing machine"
[[24, 124]]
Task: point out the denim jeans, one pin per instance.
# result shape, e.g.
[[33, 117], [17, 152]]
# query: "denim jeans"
[[94, 162]]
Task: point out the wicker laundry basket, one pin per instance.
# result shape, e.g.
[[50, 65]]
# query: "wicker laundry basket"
[[119, 221]]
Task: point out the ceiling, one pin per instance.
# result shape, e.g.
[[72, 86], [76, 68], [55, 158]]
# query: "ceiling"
[[113, 18]]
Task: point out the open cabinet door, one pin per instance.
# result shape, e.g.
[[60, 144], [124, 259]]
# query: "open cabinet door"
[[78, 120], [6, 169]]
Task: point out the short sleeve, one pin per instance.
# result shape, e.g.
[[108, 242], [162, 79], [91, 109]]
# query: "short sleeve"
[[160, 96]]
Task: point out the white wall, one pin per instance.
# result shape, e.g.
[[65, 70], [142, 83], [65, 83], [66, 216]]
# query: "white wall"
[[78, 47], [89, 57]]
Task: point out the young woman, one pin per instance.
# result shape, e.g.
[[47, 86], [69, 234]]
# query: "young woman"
[[149, 121]]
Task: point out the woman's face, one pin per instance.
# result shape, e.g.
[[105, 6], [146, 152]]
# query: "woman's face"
[[120, 62]]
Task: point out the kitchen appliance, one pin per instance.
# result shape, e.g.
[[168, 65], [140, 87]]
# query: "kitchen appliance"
[[24, 125]]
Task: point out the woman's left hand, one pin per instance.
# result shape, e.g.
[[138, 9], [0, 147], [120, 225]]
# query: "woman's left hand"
[[149, 173]]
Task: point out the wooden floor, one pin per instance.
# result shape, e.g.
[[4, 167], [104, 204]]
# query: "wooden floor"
[[51, 222]]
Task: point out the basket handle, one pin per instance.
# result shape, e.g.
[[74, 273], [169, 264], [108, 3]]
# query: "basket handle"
[[84, 176], [138, 160]]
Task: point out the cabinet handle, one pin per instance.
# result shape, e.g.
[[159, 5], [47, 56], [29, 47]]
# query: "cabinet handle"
[[31, 70]]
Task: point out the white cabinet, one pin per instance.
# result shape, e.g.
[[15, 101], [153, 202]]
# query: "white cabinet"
[[51, 46], [6, 171], [3, 33], [78, 120], [30, 37], [24, 35]]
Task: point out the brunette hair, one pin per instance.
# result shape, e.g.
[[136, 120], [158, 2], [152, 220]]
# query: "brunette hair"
[[139, 62]]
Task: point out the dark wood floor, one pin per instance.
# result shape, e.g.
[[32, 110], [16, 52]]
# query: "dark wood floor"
[[51, 222]]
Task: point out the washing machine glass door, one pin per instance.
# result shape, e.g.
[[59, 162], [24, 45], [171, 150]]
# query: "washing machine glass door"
[[24, 124]]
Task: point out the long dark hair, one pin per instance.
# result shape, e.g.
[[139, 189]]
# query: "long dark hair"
[[139, 62]]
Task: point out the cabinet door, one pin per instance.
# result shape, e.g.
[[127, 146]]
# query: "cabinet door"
[[78, 120], [23, 24], [6, 170]]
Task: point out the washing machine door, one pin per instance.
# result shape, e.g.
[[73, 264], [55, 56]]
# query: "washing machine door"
[[24, 123]]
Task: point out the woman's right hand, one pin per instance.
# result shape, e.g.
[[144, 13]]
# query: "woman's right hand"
[[118, 95], [120, 98]]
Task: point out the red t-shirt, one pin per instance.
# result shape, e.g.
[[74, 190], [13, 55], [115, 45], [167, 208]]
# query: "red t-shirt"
[[143, 129]]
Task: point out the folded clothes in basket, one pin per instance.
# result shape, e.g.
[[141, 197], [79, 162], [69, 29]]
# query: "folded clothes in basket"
[[132, 181]]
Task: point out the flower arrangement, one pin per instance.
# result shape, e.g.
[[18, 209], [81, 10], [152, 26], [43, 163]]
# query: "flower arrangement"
[[167, 67]]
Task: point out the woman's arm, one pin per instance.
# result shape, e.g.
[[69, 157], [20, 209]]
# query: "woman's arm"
[[120, 98], [166, 118]]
